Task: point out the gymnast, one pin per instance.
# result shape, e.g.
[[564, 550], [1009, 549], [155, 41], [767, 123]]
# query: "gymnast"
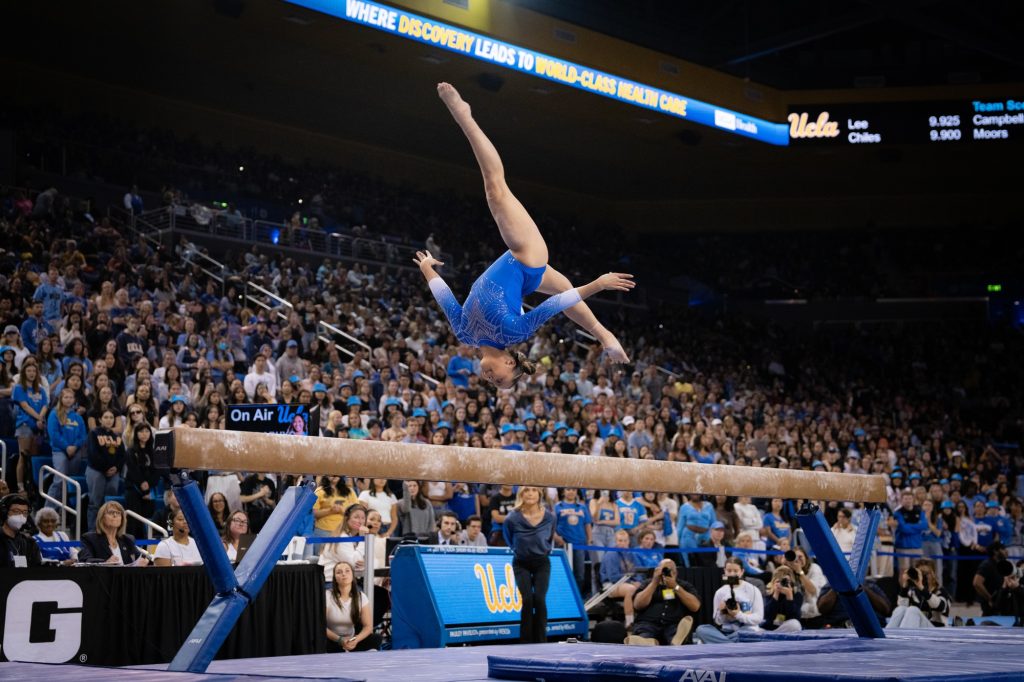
[[492, 316]]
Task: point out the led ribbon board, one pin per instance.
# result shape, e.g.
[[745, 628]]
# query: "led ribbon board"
[[431, 32]]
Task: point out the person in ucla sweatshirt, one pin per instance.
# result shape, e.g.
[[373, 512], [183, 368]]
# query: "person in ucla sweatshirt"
[[106, 459], [68, 437]]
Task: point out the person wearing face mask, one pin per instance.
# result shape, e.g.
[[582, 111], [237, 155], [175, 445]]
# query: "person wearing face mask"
[[17, 548]]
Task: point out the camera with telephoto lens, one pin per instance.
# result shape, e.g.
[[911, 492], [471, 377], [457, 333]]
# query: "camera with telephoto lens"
[[912, 575], [790, 555], [786, 582], [732, 581], [1006, 569]]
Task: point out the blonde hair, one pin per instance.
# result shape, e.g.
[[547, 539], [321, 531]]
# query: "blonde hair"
[[103, 512], [784, 572], [519, 496]]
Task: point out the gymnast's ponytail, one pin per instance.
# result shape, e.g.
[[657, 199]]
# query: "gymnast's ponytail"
[[523, 364]]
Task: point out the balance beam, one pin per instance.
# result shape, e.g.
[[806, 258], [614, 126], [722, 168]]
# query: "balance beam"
[[187, 448]]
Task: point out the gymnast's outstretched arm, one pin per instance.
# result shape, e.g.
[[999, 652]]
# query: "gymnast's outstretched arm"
[[439, 288]]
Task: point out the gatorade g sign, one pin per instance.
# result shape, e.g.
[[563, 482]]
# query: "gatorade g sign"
[[43, 621]]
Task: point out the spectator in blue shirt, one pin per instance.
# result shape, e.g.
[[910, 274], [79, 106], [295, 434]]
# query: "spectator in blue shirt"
[[35, 328], [51, 294], [775, 526], [632, 512], [461, 366], [574, 526], [30, 408], [695, 519], [68, 440], [910, 524]]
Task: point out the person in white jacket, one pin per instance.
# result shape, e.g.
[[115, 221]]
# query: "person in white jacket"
[[737, 605]]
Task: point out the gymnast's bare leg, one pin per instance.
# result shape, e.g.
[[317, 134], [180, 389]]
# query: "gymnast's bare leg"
[[517, 228]]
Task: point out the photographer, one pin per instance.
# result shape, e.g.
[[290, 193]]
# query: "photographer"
[[737, 605], [665, 608], [921, 601], [783, 602], [997, 584]]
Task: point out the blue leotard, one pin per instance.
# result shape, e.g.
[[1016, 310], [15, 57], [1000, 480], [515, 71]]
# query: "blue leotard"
[[493, 312]]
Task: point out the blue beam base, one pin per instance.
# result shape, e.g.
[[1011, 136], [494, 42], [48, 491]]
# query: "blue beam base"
[[207, 537], [840, 576], [864, 544], [245, 582]]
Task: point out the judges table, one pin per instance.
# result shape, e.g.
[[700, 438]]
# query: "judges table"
[[127, 616]]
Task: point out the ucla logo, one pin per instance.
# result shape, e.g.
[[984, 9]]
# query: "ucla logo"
[[500, 599]]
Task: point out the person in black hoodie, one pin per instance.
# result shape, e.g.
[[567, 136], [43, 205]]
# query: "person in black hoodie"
[[140, 477], [106, 458]]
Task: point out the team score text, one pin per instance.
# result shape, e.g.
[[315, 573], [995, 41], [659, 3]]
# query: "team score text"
[[944, 121], [944, 135]]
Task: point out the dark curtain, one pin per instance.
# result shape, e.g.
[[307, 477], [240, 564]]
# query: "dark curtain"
[[147, 614], [707, 580]]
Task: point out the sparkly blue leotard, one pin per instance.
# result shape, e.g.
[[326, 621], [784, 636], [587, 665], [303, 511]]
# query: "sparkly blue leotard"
[[493, 312]]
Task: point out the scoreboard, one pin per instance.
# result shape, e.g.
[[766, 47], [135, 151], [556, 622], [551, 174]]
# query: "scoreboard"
[[978, 121]]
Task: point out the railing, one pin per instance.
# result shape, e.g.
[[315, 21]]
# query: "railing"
[[63, 501], [3, 461], [150, 526]]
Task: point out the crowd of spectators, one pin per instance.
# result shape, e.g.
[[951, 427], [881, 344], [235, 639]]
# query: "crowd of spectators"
[[878, 260], [107, 338]]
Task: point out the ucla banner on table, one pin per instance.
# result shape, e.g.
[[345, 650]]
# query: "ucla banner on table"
[[469, 594]]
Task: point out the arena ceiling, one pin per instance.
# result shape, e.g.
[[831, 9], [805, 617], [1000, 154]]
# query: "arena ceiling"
[[273, 61], [797, 44]]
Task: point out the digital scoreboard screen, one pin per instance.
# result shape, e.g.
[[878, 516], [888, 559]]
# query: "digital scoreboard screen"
[[977, 121]]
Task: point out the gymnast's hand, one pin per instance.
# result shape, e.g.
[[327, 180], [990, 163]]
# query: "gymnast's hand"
[[426, 261], [616, 281]]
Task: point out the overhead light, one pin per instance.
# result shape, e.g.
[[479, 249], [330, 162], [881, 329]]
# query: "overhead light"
[[433, 59], [291, 18], [241, 169]]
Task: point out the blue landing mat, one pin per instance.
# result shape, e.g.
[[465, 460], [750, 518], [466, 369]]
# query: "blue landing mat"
[[818, 659], [33, 672], [996, 635]]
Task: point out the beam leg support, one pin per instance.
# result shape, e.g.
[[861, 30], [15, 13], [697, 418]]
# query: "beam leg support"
[[234, 590], [840, 576]]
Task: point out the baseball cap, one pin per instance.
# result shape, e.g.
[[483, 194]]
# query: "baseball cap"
[[628, 420], [946, 504], [992, 504], [443, 425], [957, 453], [915, 476], [11, 329], [716, 422], [392, 401], [445, 404], [943, 481], [572, 432], [852, 454], [358, 374], [354, 400], [896, 474], [507, 428], [294, 379], [561, 426], [717, 524], [546, 435], [956, 477], [527, 416], [177, 399], [519, 427], [419, 412], [319, 387], [817, 463]]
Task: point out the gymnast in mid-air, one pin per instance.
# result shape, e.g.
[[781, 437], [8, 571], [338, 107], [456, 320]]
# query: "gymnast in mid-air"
[[492, 316]]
